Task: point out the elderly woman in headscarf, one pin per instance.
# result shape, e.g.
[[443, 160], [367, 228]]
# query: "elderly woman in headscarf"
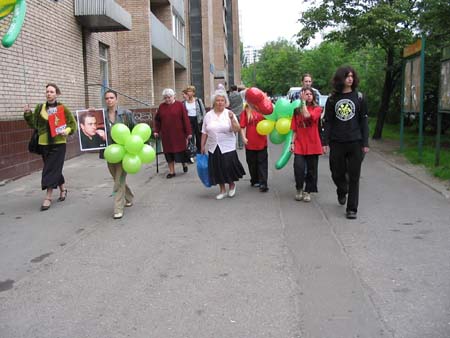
[[219, 129], [172, 124]]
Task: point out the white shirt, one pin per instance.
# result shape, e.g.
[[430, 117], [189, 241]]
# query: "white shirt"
[[191, 109], [218, 129]]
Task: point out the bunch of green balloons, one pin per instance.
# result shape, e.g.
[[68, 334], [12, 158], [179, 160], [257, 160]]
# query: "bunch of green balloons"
[[278, 126], [129, 147]]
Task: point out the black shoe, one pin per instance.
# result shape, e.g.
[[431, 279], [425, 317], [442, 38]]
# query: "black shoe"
[[342, 200], [169, 175], [263, 188], [185, 169], [351, 214]]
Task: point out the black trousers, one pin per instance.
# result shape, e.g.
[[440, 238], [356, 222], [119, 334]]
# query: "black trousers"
[[257, 161], [345, 166], [308, 180], [196, 132]]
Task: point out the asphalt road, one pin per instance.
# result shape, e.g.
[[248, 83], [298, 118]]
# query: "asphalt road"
[[182, 264]]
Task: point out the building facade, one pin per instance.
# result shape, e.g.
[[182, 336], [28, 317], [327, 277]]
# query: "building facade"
[[214, 45], [136, 47], [251, 54]]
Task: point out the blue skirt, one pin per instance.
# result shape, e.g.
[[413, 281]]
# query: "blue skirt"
[[224, 168]]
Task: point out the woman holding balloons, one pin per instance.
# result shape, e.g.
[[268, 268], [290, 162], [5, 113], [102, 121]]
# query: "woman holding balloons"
[[306, 145], [173, 124], [255, 147], [123, 197], [219, 139]]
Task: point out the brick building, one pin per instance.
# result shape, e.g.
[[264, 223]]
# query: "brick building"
[[137, 47]]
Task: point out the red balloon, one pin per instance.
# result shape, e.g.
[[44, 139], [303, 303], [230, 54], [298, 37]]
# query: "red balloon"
[[266, 106], [254, 95]]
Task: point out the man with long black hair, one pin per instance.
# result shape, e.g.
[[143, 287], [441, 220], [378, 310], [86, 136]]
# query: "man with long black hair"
[[346, 136]]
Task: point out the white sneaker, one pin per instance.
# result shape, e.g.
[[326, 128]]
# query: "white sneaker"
[[221, 196], [232, 192], [118, 215], [306, 197], [299, 195]]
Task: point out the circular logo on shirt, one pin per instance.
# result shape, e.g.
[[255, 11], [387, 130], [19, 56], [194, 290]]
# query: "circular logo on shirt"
[[345, 109]]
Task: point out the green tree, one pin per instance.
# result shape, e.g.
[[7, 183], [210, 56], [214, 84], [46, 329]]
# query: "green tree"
[[278, 67], [387, 24]]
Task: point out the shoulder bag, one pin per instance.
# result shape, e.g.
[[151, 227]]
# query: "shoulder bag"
[[33, 144]]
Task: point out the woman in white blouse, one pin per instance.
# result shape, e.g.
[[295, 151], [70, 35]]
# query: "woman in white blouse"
[[219, 140]]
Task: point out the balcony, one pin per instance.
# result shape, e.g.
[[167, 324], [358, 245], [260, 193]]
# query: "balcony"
[[178, 6], [102, 15], [164, 44]]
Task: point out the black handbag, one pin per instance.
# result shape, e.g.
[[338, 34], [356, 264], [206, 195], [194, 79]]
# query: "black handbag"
[[33, 145], [191, 149]]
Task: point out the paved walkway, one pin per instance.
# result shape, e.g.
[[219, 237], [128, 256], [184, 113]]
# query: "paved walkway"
[[181, 264]]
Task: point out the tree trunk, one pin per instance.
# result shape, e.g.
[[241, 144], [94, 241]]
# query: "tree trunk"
[[388, 87]]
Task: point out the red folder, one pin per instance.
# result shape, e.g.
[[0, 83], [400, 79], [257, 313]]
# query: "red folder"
[[56, 120]]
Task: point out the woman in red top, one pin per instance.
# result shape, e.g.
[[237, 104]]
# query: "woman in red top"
[[306, 145], [172, 122], [255, 148]]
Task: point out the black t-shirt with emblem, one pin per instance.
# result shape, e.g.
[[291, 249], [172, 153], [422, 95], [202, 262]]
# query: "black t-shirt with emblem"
[[346, 119]]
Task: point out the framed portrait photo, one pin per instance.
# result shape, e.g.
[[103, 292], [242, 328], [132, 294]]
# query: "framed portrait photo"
[[92, 129]]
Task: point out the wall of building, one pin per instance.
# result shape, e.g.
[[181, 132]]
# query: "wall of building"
[[92, 62], [236, 43], [135, 55], [52, 52], [208, 49], [49, 49]]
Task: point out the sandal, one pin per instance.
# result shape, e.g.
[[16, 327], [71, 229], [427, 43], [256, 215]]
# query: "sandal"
[[46, 207], [62, 196]]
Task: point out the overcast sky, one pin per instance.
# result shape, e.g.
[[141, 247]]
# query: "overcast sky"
[[263, 20]]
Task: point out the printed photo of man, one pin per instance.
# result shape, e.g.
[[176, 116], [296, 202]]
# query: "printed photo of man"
[[91, 136]]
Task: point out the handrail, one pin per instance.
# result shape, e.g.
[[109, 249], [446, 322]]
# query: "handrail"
[[127, 96]]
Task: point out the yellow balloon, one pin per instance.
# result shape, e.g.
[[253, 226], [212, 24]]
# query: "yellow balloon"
[[5, 10], [7, 2], [265, 127], [283, 126]]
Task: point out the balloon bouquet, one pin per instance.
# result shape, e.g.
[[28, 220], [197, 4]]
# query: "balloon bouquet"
[[277, 123], [19, 8], [129, 147]]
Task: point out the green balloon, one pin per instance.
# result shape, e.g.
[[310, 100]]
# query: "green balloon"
[[286, 153], [147, 154], [276, 137], [295, 104], [134, 144], [283, 108], [131, 163], [143, 130], [114, 153], [271, 117], [120, 133]]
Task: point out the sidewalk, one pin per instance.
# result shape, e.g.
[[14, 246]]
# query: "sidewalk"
[[387, 149], [182, 264]]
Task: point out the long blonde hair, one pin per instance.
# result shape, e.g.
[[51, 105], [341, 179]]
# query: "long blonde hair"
[[249, 115]]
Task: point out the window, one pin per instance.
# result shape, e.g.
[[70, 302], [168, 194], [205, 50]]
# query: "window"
[[178, 28], [103, 51]]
